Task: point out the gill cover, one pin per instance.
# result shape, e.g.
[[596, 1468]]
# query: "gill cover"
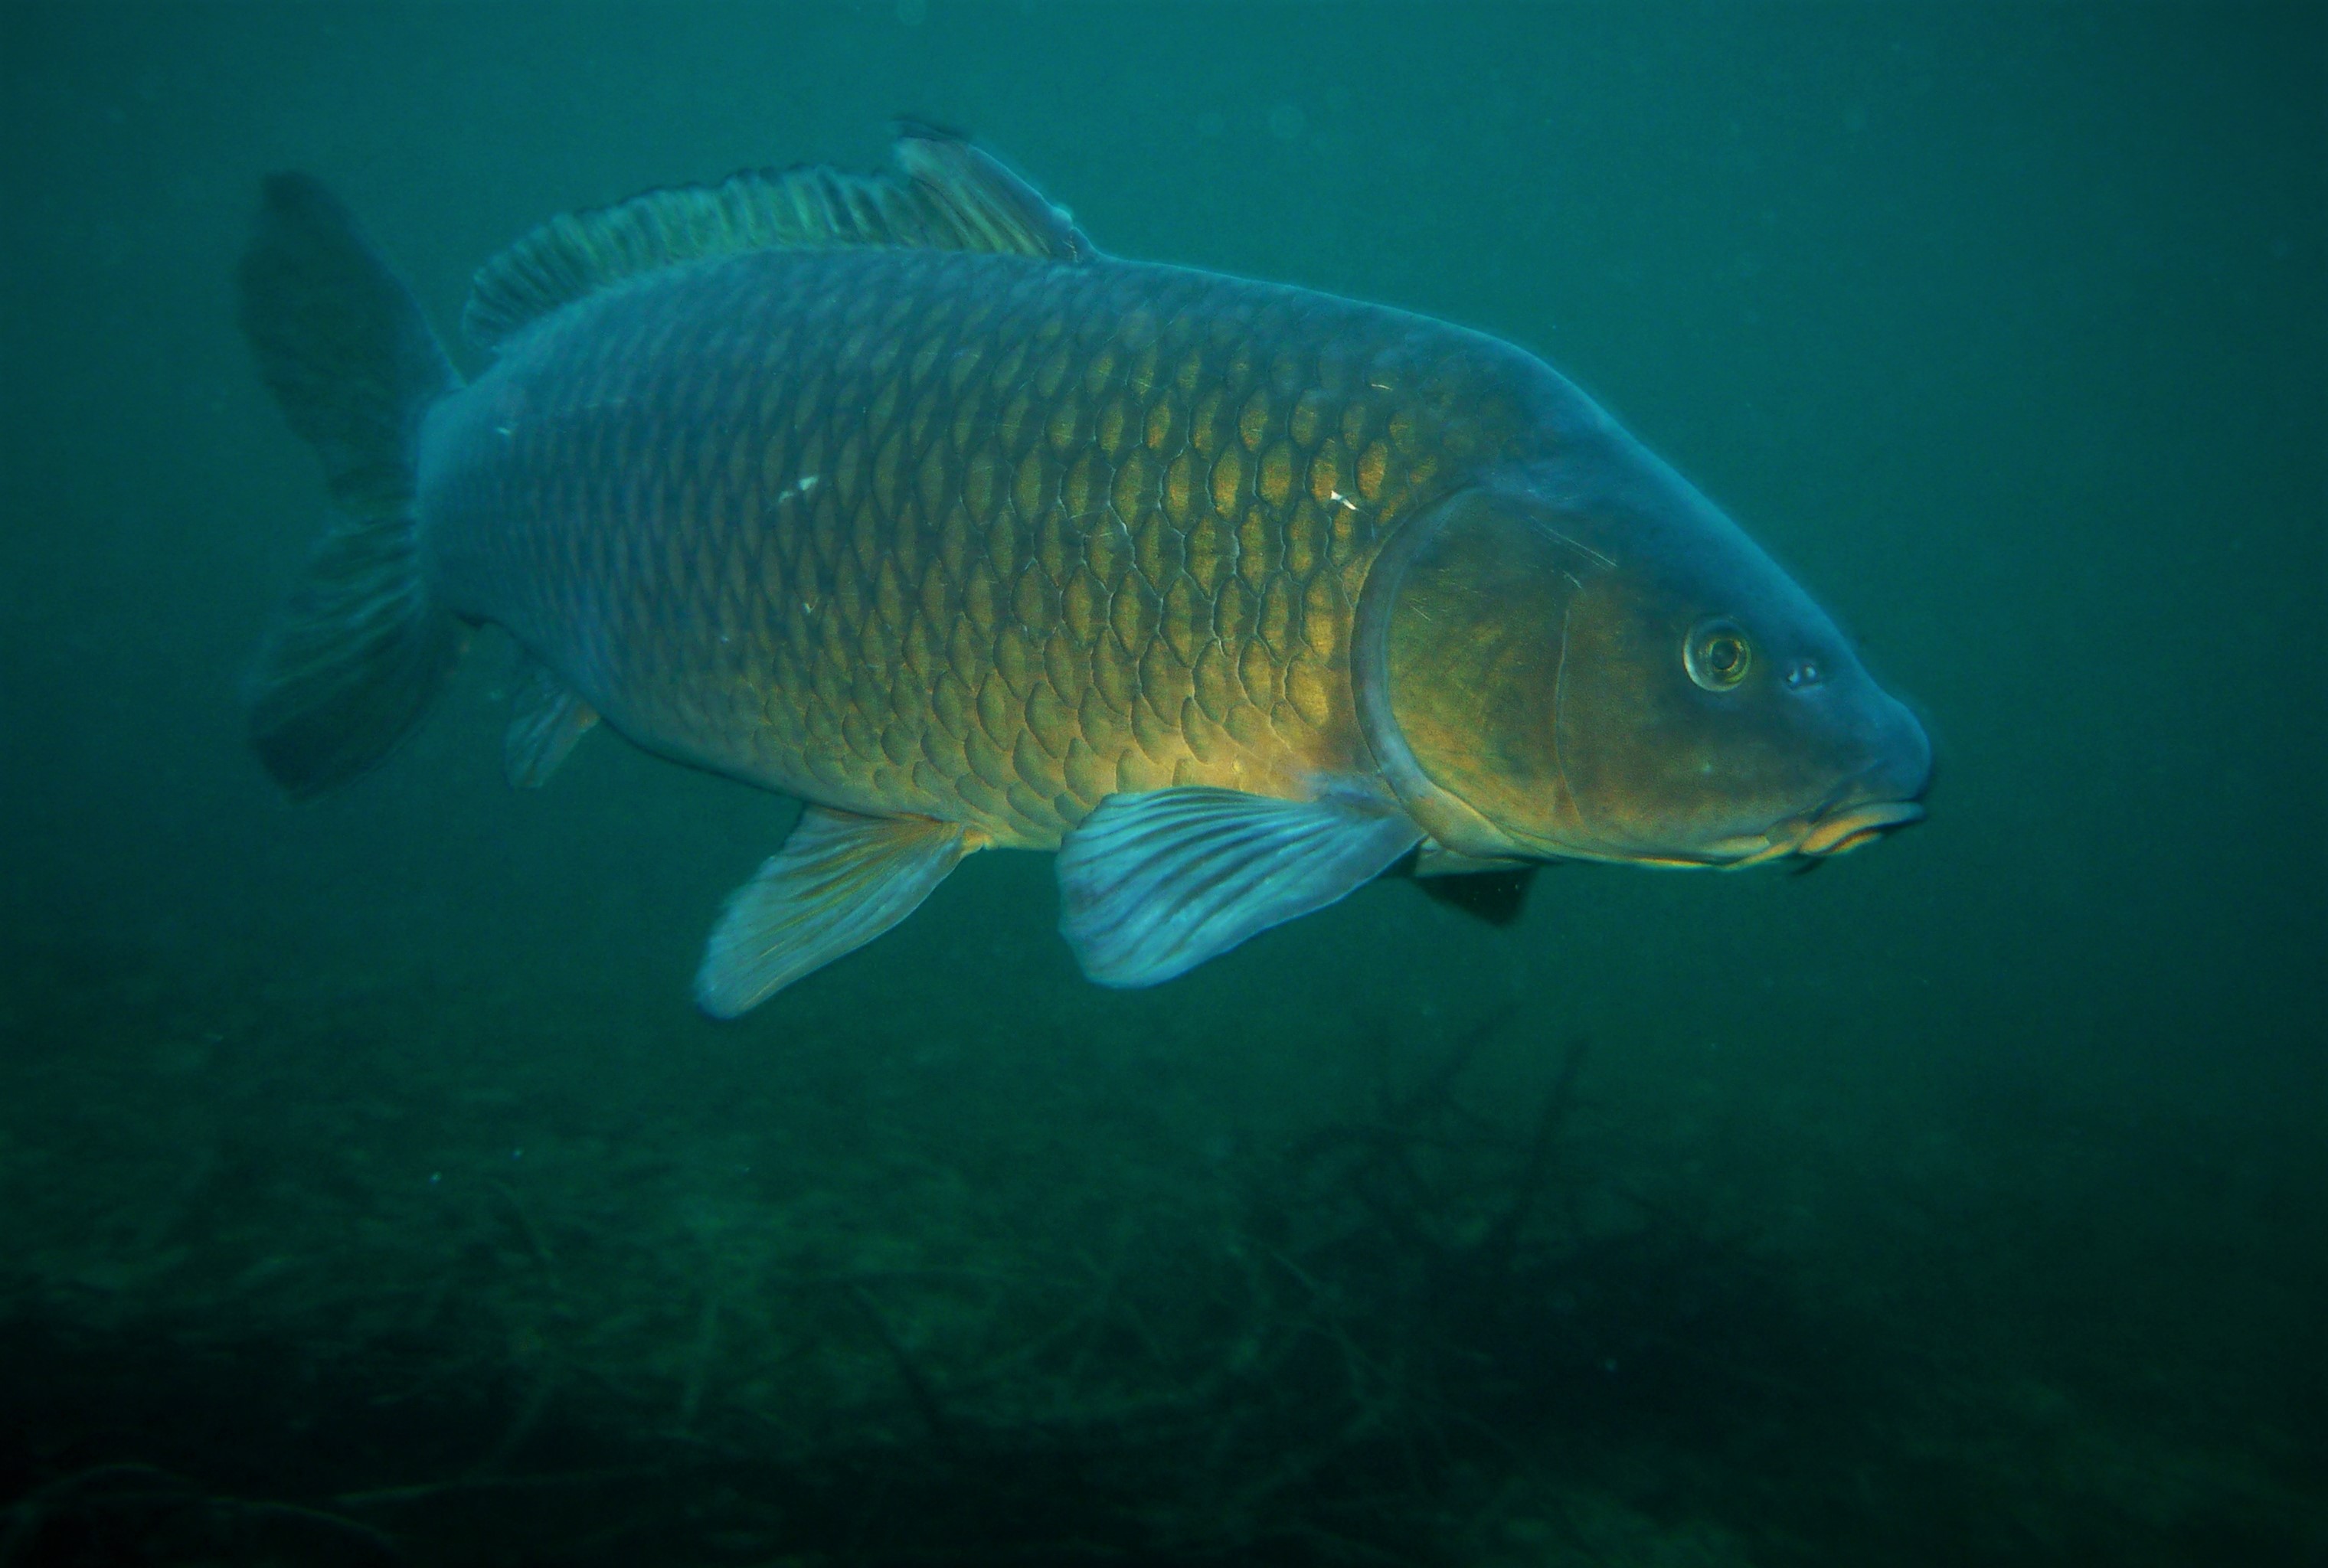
[[1462, 633]]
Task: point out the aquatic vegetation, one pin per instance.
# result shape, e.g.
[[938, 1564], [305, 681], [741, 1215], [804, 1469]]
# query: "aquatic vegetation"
[[869, 1317]]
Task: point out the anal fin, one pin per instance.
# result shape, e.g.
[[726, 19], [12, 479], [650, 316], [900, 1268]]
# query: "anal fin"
[[1154, 884], [839, 881], [546, 716]]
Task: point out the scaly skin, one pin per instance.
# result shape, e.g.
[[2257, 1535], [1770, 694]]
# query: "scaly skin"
[[984, 538]]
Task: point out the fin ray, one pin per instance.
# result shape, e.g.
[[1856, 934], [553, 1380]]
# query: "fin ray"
[[360, 648], [839, 881], [945, 194], [546, 717], [1154, 884]]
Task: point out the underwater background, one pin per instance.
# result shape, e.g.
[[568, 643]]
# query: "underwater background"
[[371, 1192]]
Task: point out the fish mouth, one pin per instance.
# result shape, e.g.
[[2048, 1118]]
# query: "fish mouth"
[[1841, 831], [1820, 835]]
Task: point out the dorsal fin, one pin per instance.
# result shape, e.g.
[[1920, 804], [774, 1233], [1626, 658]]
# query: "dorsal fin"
[[945, 194]]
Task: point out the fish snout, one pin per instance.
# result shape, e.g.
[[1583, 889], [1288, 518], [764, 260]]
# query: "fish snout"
[[1887, 794]]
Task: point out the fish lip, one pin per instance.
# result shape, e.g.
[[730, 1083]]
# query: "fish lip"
[[1841, 830], [1854, 815], [1821, 834]]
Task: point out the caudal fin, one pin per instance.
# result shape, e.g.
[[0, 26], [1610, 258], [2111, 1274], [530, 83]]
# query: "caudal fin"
[[361, 647]]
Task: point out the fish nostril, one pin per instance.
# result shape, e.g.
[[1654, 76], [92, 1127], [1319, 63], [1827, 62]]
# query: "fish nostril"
[[1803, 674]]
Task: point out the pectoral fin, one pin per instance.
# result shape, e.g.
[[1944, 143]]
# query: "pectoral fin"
[[1432, 860], [546, 716], [839, 882], [1151, 885], [1494, 897]]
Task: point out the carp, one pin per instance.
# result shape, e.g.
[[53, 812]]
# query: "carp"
[[895, 495]]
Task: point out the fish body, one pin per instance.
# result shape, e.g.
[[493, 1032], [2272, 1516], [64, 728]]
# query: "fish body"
[[896, 495], [984, 538]]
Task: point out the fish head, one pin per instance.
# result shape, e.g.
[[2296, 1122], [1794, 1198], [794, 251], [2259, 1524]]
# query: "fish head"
[[1584, 658]]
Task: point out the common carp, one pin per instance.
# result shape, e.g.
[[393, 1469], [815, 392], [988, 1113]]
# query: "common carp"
[[894, 493]]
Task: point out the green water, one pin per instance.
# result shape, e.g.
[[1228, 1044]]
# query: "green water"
[[369, 1190]]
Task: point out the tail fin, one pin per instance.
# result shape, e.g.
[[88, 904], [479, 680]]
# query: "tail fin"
[[361, 647]]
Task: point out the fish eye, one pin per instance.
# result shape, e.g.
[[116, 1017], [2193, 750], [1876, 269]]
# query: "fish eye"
[[1717, 654]]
